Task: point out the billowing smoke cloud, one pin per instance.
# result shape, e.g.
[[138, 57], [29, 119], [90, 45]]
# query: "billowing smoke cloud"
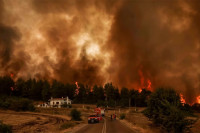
[[8, 37], [127, 42], [159, 38]]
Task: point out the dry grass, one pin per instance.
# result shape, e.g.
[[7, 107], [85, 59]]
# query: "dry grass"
[[196, 127], [135, 119], [28, 122], [51, 119], [46, 120]]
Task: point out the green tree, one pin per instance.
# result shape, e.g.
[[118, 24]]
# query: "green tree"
[[81, 97], [45, 91], [70, 90], [6, 85], [75, 114], [109, 90], [36, 89], [164, 109], [116, 96], [143, 96], [57, 89], [98, 93], [124, 101], [134, 96]]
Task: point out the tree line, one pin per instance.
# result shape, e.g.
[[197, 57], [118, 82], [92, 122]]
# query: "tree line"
[[42, 90]]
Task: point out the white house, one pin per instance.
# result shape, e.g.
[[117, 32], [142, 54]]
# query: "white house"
[[58, 102]]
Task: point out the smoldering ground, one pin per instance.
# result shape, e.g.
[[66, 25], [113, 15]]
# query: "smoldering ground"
[[127, 42]]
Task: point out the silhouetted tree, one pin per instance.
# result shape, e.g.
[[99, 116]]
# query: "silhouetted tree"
[[98, 93], [6, 85], [164, 109], [124, 102], [45, 91], [70, 90]]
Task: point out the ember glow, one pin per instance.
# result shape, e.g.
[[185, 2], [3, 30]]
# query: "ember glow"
[[100, 41]]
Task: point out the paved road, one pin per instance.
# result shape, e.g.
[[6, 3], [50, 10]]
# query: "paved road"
[[106, 126]]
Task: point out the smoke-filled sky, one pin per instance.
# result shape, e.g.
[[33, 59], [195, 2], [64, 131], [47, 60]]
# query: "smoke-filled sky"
[[128, 42]]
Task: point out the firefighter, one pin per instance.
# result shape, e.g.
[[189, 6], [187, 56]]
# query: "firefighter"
[[114, 116]]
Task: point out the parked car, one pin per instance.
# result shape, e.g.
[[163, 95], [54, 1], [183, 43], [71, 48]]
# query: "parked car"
[[93, 119]]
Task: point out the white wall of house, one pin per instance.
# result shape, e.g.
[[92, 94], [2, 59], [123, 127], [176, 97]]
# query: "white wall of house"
[[58, 102]]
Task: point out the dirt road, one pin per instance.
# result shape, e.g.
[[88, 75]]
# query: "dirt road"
[[106, 126]]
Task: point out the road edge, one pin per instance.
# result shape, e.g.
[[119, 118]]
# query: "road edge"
[[130, 126]]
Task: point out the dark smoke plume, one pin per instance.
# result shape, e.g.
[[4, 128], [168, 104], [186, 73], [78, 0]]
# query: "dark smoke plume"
[[127, 42]]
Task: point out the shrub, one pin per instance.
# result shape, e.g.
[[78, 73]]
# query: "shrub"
[[5, 128], [164, 109], [122, 116], [75, 114], [17, 104]]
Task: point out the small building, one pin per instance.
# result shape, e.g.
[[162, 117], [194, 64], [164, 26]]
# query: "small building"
[[43, 105], [58, 102]]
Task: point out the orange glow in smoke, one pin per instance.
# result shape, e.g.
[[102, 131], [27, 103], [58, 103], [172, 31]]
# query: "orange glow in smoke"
[[144, 83], [149, 84], [198, 99], [182, 99]]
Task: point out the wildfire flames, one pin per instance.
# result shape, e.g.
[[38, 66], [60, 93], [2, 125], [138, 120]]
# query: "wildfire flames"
[[198, 99], [182, 99], [77, 88], [144, 84]]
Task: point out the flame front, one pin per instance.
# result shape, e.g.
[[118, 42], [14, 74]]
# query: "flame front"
[[144, 84], [198, 99]]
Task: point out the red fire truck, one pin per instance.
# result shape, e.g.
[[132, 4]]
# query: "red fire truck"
[[97, 117]]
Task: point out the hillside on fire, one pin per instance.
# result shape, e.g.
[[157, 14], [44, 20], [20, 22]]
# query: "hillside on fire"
[[165, 107], [128, 58]]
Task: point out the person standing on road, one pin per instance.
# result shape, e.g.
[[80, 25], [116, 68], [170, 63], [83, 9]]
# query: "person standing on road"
[[114, 116]]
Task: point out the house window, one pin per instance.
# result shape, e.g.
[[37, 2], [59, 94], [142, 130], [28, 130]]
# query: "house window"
[[53, 102], [57, 102]]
